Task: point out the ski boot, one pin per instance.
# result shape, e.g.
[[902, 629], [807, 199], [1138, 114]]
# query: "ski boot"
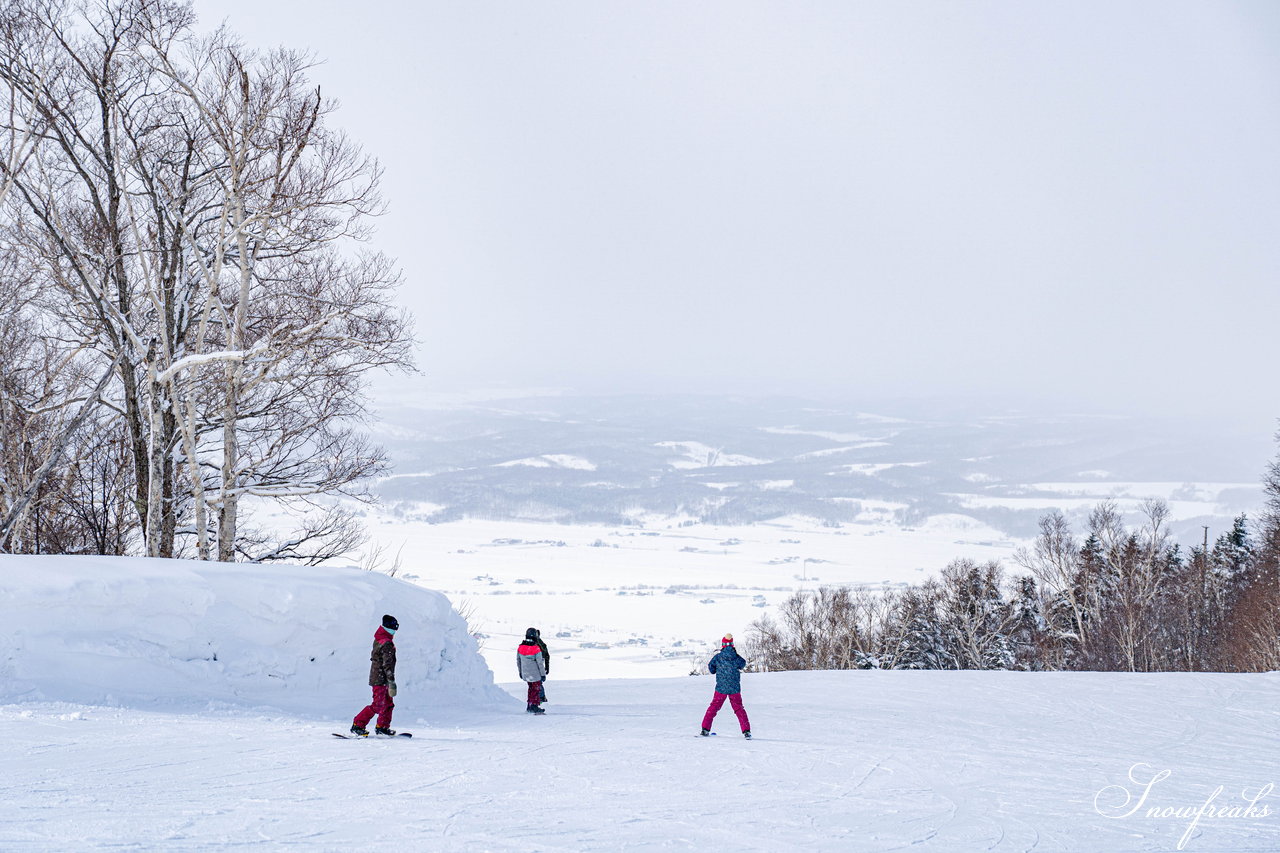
[[534, 709], [359, 731], [706, 732], [747, 735], [385, 731]]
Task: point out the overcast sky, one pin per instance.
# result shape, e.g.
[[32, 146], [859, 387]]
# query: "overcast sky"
[[1074, 200]]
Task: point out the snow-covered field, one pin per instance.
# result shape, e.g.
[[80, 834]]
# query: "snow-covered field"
[[853, 761], [651, 601]]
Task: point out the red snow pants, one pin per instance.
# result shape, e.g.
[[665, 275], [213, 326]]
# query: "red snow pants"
[[536, 694], [382, 706], [717, 702]]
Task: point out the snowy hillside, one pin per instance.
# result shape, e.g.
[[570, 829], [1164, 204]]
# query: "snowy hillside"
[[950, 762], [189, 635]]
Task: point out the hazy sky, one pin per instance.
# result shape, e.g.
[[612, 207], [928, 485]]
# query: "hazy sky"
[[889, 198]]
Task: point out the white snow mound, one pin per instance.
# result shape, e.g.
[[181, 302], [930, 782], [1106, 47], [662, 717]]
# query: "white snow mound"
[[177, 633]]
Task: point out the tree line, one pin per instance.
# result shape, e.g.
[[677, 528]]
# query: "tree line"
[[189, 305], [1108, 597]]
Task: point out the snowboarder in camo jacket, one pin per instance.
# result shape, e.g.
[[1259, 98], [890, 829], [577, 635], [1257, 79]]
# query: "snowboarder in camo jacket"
[[727, 666], [533, 662], [382, 678]]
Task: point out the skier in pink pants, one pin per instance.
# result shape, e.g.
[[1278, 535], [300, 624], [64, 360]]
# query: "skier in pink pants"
[[727, 667]]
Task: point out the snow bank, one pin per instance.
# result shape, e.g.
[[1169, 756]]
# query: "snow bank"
[[177, 633]]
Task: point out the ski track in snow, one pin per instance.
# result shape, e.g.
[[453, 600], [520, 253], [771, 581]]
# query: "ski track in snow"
[[853, 761]]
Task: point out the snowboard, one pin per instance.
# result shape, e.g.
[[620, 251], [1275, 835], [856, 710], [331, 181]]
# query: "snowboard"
[[358, 737]]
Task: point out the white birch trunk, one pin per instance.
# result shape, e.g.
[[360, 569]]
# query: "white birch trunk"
[[229, 497], [155, 459]]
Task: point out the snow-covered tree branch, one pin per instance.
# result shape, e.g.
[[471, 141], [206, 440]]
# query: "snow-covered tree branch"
[[190, 217]]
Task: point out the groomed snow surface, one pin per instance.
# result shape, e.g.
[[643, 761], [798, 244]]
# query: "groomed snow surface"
[[124, 734]]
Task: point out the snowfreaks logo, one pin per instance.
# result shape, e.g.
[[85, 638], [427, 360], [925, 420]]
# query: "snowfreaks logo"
[[1120, 801]]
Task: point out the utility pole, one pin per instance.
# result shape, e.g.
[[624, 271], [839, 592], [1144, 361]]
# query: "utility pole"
[[1197, 606], [1204, 559]]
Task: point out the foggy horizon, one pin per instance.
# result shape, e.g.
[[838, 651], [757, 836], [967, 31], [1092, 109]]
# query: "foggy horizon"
[[1062, 204]]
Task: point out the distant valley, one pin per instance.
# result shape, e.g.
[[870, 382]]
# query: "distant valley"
[[728, 461]]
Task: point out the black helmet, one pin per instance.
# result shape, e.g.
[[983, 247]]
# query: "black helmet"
[[390, 623], [531, 634]]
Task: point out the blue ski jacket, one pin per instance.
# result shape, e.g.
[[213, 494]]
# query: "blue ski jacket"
[[727, 666]]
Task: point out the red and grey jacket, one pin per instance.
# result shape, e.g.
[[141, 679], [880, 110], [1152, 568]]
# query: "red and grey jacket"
[[530, 662], [382, 666]]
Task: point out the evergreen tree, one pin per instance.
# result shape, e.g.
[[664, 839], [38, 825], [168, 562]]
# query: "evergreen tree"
[[1232, 555], [920, 641], [1029, 626]]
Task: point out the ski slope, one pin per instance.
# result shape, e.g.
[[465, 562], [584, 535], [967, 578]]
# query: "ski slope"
[[169, 705], [854, 761]]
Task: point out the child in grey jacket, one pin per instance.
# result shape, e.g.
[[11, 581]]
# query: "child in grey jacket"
[[531, 663]]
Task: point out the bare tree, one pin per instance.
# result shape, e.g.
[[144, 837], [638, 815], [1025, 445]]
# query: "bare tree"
[[52, 457], [332, 533], [303, 320], [977, 619], [76, 69], [829, 628], [195, 223], [1126, 573], [1055, 561]]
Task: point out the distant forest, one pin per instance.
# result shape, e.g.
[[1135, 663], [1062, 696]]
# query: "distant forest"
[[1108, 597]]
